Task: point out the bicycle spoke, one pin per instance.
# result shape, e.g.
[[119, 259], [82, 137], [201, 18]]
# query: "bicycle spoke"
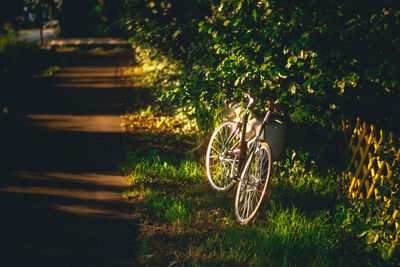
[[247, 205], [234, 145], [214, 150], [216, 139], [254, 182], [220, 162]]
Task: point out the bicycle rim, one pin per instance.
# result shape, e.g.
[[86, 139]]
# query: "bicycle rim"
[[253, 184], [221, 162]]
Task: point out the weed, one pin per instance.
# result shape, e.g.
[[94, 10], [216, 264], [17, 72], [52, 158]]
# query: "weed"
[[144, 248]]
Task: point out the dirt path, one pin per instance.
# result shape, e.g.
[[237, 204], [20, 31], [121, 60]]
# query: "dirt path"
[[60, 187]]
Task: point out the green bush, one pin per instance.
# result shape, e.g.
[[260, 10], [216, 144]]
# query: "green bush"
[[325, 59], [371, 219]]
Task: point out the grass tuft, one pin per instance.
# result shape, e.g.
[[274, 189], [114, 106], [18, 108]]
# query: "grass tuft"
[[153, 168]]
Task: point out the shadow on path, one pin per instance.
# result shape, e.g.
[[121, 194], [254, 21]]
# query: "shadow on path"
[[60, 187]]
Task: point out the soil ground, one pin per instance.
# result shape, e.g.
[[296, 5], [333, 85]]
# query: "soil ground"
[[60, 162]]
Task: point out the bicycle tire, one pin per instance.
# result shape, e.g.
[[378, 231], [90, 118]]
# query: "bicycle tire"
[[253, 183], [221, 164]]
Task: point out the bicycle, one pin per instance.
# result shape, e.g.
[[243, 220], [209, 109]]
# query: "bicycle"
[[228, 161]]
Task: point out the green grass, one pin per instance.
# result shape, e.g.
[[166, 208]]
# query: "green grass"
[[296, 225], [50, 71], [154, 167], [284, 237], [183, 220]]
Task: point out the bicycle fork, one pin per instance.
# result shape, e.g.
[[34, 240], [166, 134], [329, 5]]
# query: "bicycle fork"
[[243, 144]]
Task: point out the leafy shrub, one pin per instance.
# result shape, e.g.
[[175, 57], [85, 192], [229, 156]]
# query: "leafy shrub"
[[372, 219], [324, 59]]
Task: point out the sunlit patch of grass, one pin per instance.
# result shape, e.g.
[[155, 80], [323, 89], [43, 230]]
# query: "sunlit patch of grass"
[[185, 221], [295, 226], [50, 71], [137, 193], [66, 49], [281, 236], [150, 120], [134, 75], [288, 238], [152, 168], [133, 70], [131, 193]]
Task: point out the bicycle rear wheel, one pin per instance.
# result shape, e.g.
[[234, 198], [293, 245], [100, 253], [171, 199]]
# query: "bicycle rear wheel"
[[222, 156], [253, 183]]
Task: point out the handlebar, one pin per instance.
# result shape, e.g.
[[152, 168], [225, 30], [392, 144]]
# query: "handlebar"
[[251, 98]]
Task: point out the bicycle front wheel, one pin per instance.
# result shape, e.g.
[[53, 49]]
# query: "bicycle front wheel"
[[253, 183], [223, 156]]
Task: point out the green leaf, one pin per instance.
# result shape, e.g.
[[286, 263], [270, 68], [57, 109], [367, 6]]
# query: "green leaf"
[[351, 28], [204, 27], [97, 9], [227, 69], [221, 7], [341, 84], [264, 67], [360, 229], [372, 237], [389, 254], [226, 22], [307, 83], [375, 222], [237, 22], [292, 59], [255, 15], [316, 62]]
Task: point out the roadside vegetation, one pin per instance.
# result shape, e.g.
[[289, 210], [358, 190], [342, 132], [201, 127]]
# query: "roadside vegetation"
[[184, 222], [324, 63]]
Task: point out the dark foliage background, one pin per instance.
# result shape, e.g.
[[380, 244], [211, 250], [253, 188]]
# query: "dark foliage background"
[[326, 60]]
